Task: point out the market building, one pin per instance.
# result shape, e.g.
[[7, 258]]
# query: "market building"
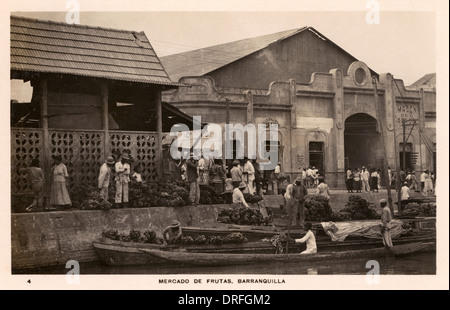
[[329, 106], [95, 91]]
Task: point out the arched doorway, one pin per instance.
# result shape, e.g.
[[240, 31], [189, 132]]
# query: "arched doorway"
[[362, 143]]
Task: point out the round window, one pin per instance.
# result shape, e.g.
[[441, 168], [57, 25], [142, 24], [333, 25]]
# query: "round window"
[[360, 75]]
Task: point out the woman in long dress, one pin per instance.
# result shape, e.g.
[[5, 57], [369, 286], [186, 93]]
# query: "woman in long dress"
[[59, 196]]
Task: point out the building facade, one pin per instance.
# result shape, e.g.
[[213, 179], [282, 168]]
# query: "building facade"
[[332, 110]]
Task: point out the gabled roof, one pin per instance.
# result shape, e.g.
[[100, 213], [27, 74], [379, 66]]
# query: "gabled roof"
[[53, 47], [427, 81], [201, 61]]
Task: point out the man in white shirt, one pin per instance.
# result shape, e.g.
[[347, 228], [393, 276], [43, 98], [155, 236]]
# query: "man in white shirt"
[[423, 176], [386, 218], [249, 176], [365, 175], [122, 178], [238, 196], [104, 177], [310, 239]]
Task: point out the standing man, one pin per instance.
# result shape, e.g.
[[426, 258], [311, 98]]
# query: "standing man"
[[365, 175], [193, 179], [236, 173], [299, 193], [423, 176], [386, 218], [405, 191], [104, 177], [249, 172], [257, 177], [122, 168]]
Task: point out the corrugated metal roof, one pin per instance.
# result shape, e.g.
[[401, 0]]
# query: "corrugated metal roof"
[[202, 61], [53, 47]]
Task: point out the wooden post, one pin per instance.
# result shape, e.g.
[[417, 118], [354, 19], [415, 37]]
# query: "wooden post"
[[45, 138], [105, 118], [159, 130], [383, 144]]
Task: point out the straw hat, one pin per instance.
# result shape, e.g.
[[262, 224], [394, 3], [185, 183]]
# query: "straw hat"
[[298, 180], [382, 200], [242, 185], [110, 160], [236, 162], [175, 223], [125, 156]]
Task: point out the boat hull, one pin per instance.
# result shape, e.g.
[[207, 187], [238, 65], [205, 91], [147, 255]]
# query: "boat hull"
[[212, 259]]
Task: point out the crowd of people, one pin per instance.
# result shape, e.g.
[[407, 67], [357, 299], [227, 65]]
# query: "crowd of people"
[[363, 180], [243, 177]]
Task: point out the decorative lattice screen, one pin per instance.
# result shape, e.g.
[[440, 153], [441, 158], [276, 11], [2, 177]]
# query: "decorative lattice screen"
[[142, 147], [26, 144], [82, 151]]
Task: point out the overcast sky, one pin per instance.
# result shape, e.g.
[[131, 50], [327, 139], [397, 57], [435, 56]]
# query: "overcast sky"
[[403, 43]]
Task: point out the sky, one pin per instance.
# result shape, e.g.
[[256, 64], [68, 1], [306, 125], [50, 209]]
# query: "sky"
[[403, 43]]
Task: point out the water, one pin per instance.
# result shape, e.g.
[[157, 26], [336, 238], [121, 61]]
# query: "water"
[[417, 264]]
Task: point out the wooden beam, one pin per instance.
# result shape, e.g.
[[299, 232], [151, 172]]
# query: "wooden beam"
[[159, 131], [105, 118], [46, 151]]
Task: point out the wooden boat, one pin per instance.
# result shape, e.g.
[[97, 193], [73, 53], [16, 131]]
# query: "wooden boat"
[[212, 259], [119, 253], [114, 252]]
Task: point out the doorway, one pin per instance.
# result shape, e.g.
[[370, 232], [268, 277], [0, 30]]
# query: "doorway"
[[316, 156], [362, 143]]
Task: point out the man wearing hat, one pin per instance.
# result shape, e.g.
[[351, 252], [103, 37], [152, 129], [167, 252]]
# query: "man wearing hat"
[[104, 177], [193, 179], [405, 191], [386, 218], [295, 202], [172, 233], [238, 196], [122, 178], [236, 173]]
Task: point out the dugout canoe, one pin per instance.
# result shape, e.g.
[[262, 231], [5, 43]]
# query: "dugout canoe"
[[213, 259], [120, 253]]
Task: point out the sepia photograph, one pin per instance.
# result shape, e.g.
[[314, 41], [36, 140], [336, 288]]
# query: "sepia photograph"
[[225, 147]]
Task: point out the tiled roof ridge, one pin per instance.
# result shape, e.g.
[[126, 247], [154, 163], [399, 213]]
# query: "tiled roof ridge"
[[80, 26]]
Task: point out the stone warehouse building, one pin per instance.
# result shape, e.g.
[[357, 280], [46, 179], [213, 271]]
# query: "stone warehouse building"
[[322, 98]]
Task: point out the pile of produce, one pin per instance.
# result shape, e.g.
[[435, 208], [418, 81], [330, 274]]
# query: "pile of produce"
[[208, 196], [277, 241], [423, 209], [357, 208], [317, 208], [215, 240], [249, 198], [162, 194], [133, 236], [243, 216], [87, 197]]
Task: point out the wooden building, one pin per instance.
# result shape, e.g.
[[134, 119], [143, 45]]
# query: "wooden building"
[[323, 99], [96, 91]]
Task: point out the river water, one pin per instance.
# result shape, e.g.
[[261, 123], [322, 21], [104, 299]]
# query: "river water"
[[414, 264]]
